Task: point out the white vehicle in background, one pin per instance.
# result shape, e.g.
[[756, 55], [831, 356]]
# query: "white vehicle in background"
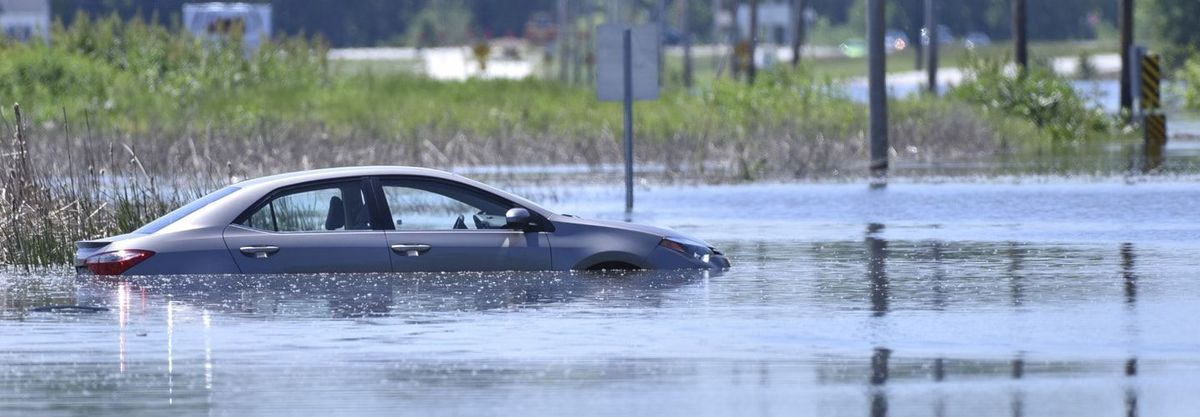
[[973, 39], [216, 21]]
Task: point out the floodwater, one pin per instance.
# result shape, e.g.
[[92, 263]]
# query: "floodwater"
[[982, 298]]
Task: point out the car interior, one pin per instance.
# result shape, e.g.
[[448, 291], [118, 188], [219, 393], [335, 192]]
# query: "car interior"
[[431, 205], [411, 204]]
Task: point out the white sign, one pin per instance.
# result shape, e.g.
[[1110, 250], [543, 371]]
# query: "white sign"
[[610, 56]]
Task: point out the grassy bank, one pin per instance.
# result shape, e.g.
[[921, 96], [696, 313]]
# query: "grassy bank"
[[123, 121], [133, 79]]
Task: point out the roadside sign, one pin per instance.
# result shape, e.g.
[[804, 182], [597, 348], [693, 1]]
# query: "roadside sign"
[[609, 59]]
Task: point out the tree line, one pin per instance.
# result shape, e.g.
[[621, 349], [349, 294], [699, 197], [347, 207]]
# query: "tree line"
[[410, 22]]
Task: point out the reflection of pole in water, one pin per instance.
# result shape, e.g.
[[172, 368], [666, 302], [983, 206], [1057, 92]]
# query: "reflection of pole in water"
[[1127, 273], [879, 377], [1131, 365], [879, 366], [1018, 398], [1018, 367], [1131, 394], [939, 375], [1017, 288], [876, 273], [939, 278]]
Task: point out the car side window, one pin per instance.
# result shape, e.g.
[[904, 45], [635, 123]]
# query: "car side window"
[[432, 205], [327, 207]]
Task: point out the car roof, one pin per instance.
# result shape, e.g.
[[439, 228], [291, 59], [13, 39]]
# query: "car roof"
[[285, 179], [268, 183]]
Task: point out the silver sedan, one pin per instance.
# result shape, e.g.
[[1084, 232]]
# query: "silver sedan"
[[381, 219]]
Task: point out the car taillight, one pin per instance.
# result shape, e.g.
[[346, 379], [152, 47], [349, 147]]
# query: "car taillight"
[[117, 262], [673, 245]]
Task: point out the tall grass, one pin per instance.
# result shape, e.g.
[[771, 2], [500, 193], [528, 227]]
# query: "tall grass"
[[78, 189]]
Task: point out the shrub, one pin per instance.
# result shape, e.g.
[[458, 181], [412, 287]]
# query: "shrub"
[[1037, 94], [1189, 78]]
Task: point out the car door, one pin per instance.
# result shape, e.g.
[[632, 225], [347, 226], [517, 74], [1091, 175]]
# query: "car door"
[[311, 228], [446, 226]]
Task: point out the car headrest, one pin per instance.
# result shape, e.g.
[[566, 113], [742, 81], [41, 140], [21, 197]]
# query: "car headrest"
[[356, 212], [337, 214]]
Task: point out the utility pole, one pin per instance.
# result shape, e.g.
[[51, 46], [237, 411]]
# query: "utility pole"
[[561, 38], [685, 26], [573, 9], [1125, 20], [877, 86], [590, 57], [660, 17], [918, 52], [798, 29], [716, 34], [735, 34], [1018, 27], [932, 50], [627, 90], [751, 68]]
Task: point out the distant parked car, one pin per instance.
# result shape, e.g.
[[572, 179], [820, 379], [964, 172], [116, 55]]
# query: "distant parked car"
[[945, 36], [381, 219], [893, 40], [854, 48], [973, 39]]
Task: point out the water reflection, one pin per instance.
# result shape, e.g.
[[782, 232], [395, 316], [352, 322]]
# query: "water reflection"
[[885, 369], [877, 269], [380, 295], [879, 377], [1131, 393], [1130, 278], [1015, 275], [1017, 403], [940, 327]]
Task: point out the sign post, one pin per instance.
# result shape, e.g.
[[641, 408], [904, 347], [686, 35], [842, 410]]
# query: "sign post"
[[627, 92], [627, 70]]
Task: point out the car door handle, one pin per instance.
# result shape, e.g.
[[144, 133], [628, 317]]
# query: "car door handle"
[[260, 252], [410, 249]]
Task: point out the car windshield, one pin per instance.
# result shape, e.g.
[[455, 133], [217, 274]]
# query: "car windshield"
[[182, 212]]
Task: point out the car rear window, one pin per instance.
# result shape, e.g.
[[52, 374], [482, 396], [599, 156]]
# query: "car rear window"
[[182, 212]]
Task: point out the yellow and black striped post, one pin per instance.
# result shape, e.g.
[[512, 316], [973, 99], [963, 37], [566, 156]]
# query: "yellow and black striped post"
[[1154, 122], [1151, 80], [1156, 139]]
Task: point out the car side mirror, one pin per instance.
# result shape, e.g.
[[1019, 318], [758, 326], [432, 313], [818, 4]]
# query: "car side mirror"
[[517, 218]]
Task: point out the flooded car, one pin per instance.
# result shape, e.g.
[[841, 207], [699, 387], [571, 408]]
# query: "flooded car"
[[381, 219]]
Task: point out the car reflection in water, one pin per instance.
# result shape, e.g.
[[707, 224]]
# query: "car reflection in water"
[[383, 295]]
